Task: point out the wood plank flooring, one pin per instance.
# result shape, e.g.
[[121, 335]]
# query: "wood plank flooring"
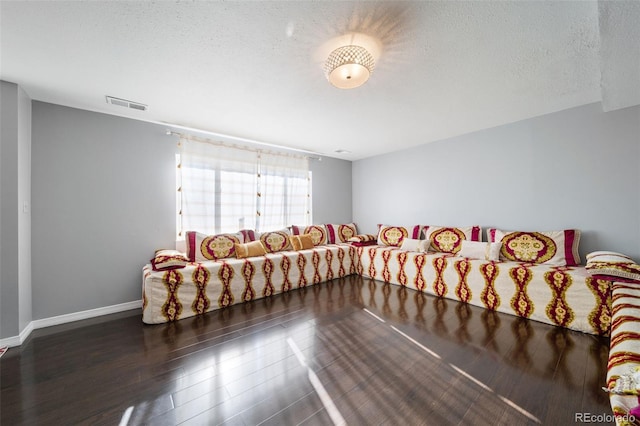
[[352, 350]]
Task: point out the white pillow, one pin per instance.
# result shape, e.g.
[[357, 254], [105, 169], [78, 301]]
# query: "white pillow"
[[421, 246], [480, 250], [409, 244]]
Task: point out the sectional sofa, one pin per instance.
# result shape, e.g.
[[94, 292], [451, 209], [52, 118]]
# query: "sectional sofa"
[[213, 275], [535, 275]]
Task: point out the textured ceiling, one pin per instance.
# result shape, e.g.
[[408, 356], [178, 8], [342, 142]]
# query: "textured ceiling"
[[254, 69]]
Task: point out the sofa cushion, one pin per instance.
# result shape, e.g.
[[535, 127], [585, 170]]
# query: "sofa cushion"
[[412, 244], [416, 232], [608, 257], [274, 241], [612, 264], [558, 248], [250, 249], [248, 235], [341, 233], [318, 233], [302, 242], [480, 250], [165, 260], [363, 238], [449, 239], [201, 247], [391, 235]]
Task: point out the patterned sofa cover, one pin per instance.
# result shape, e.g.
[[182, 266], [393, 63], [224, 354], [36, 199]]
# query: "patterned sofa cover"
[[206, 286], [562, 296], [624, 352]]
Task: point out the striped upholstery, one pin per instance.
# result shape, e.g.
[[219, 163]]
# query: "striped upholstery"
[[624, 352], [206, 286], [565, 296]]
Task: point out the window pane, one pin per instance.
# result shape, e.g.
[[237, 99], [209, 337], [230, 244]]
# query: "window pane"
[[237, 201], [223, 189], [198, 200], [298, 200], [272, 203]]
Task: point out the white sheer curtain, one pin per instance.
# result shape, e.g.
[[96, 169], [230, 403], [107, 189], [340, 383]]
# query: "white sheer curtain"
[[217, 188], [226, 188], [285, 191]]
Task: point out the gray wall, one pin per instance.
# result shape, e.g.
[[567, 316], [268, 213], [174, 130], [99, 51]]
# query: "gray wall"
[[104, 200], [332, 195], [24, 209], [578, 168], [9, 210], [15, 222]]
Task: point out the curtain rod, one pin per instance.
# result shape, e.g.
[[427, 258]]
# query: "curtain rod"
[[170, 132]]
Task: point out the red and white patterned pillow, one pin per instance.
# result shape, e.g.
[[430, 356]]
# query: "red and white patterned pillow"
[[612, 264], [363, 238], [318, 233], [165, 260], [446, 239], [275, 241], [201, 247], [248, 235], [341, 233], [391, 235], [559, 248], [416, 232]]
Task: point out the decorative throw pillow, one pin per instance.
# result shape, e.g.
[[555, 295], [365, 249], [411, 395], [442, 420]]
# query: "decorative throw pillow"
[[341, 233], [201, 247], [164, 260], [318, 233], [248, 235], [391, 235], [480, 250], [612, 264], [608, 257], [416, 232], [559, 248], [251, 249], [301, 242], [276, 240], [362, 238], [449, 239], [412, 244]]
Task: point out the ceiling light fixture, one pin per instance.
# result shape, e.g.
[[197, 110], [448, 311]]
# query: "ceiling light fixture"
[[349, 66]]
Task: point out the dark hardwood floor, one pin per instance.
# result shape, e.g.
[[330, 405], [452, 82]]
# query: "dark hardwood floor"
[[351, 350]]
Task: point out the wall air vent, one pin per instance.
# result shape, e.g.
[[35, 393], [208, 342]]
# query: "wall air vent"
[[125, 103]]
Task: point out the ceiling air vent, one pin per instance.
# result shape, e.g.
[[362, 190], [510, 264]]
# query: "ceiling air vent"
[[125, 103]]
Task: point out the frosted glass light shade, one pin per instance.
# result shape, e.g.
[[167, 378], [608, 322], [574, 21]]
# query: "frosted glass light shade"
[[349, 66]]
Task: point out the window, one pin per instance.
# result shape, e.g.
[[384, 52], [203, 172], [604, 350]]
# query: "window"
[[225, 189]]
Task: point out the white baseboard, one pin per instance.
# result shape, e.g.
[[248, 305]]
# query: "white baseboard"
[[11, 341], [66, 318]]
